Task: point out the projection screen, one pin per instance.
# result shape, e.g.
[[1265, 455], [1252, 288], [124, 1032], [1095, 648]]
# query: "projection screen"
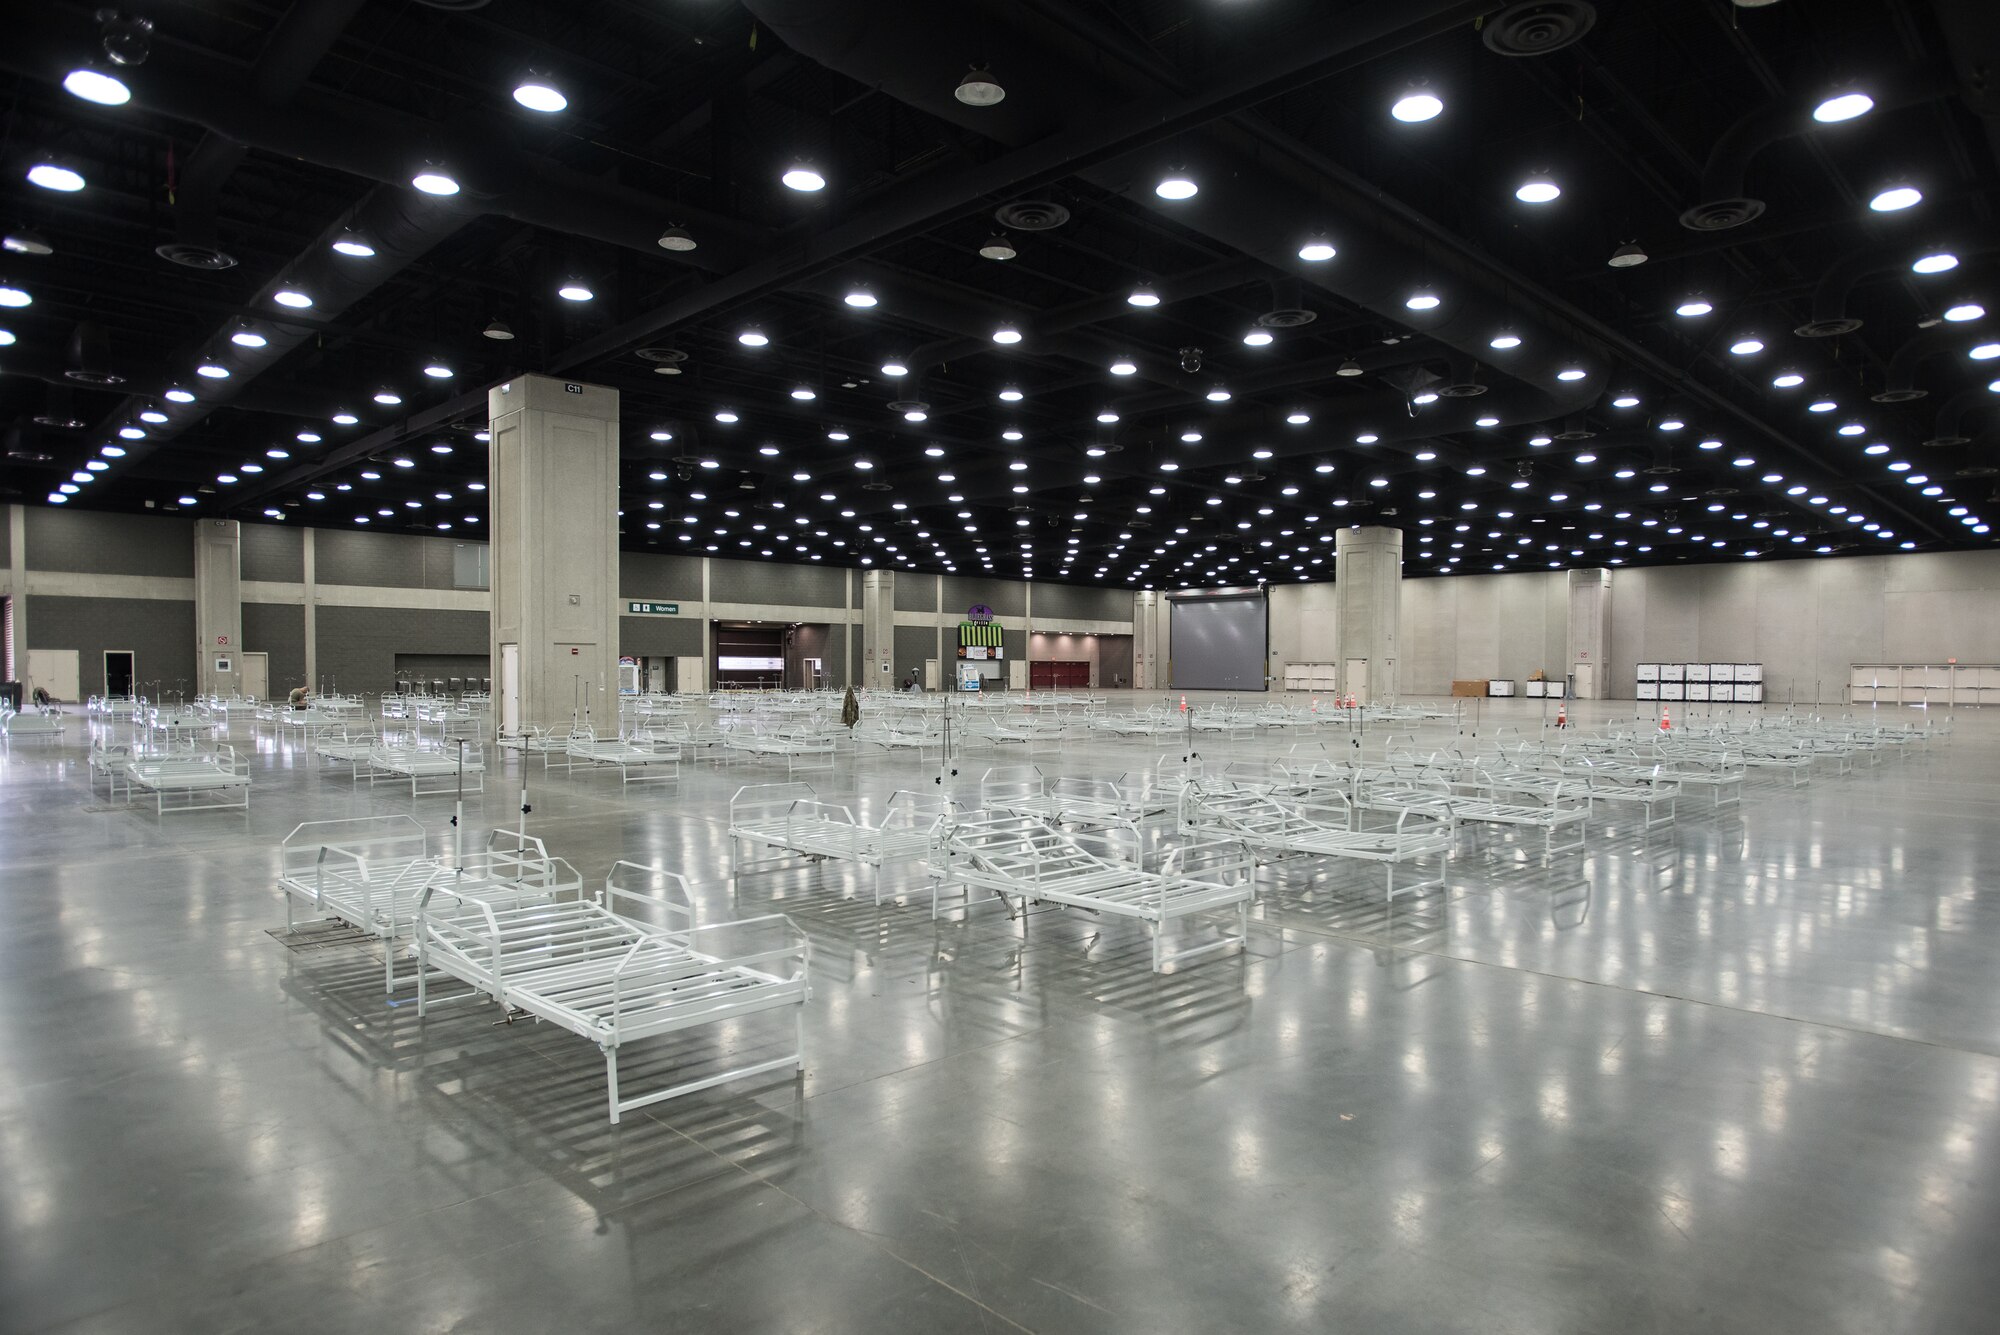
[[1217, 640]]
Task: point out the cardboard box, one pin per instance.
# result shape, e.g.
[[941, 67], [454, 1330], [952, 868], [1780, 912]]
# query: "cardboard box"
[[1474, 688]]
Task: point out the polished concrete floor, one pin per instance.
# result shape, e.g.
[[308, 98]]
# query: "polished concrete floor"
[[1742, 1078]]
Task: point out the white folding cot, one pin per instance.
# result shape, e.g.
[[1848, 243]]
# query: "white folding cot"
[[636, 760], [430, 773]]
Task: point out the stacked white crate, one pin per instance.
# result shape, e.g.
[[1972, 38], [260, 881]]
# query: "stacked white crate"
[[1706, 682]]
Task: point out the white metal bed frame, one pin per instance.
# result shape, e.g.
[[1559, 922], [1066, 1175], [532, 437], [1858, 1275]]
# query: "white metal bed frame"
[[1023, 861], [192, 775], [635, 761], [1323, 825], [790, 817], [598, 968]]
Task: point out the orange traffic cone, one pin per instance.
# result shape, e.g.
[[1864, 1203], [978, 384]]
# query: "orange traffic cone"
[[1350, 699], [1184, 704], [1666, 720], [1562, 715]]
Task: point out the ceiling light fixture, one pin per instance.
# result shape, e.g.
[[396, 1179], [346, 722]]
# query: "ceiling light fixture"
[[24, 242], [1258, 338], [14, 297], [1010, 395], [1571, 373], [575, 289], [859, 297], [497, 331], [997, 247], [1423, 300], [1896, 198], [1789, 380], [677, 238], [1416, 104], [437, 370], [895, 366], [1970, 310], [1940, 261], [750, 336], [1745, 347], [1006, 333], [1176, 184], [802, 177], [1630, 255], [537, 92], [247, 337], [1504, 342], [433, 179], [96, 85], [55, 176], [1538, 190], [1124, 366], [1843, 107], [1348, 369], [1693, 307], [1317, 249]]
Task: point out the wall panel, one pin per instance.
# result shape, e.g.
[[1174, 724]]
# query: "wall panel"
[[668, 637], [358, 645], [278, 629], [776, 584], [90, 542], [656, 578], [275, 553]]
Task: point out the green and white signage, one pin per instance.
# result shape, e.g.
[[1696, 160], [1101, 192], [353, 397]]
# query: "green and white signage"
[[653, 609]]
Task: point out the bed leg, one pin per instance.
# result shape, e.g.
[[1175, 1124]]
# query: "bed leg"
[[389, 965], [423, 972], [611, 1080]]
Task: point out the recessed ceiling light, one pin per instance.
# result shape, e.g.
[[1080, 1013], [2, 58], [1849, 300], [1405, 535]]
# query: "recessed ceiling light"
[[53, 176], [437, 370], [1939, 261], [1969, 310], [1789, 380], [1258, 338], [575, 289], [292, 297], [804, 393], [1985, 352], [14, 297], [1538, 190], [1220, 394], [388, 398], [1896, 198], [1006, 334], [1625, 401], [344, 419], [433, 179], [1822, 406], [212, 371], [1417, 103], [1298, 419], [248, 338], [1694, 306], [859, 297], [1502, 342], [802, 177], [96, 85], [1843, 107], [1422, 301], [1745, 347], [1571, 373], [1177, 184], [1124, 366], [1366, 438], [537, 92]]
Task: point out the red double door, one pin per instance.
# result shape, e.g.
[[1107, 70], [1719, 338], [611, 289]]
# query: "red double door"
[[1058, 676]]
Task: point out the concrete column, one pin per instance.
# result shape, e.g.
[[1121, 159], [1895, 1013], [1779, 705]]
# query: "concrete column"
[[1149, 640], [17, 587], [218, 607], [554, 553], [1590, 632], [1368, 610], [878, 628], [312, 611]]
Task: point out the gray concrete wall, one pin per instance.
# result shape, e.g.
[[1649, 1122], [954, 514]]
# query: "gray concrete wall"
[[158, 631], [91, 542], [358, 645], [278, 629]]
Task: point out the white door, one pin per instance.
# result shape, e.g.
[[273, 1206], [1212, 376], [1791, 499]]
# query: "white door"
[[1586, 680], [930, 674], [55, 671], [510, 690], [1357, 679], [256, 675]]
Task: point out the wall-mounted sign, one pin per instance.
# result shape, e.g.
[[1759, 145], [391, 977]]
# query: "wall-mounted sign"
[[653, 609], [223, 665], [979, 614], [572, 389]]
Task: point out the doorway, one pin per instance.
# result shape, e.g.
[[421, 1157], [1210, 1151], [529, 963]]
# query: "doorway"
[[256, 675], [55, 671], [749, 656], [119, 672], [510, 690]]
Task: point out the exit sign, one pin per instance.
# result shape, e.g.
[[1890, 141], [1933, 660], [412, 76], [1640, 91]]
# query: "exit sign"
[[653, 609]]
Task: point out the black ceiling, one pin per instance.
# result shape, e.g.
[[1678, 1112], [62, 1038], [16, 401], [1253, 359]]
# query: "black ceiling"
[[261, 132]]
